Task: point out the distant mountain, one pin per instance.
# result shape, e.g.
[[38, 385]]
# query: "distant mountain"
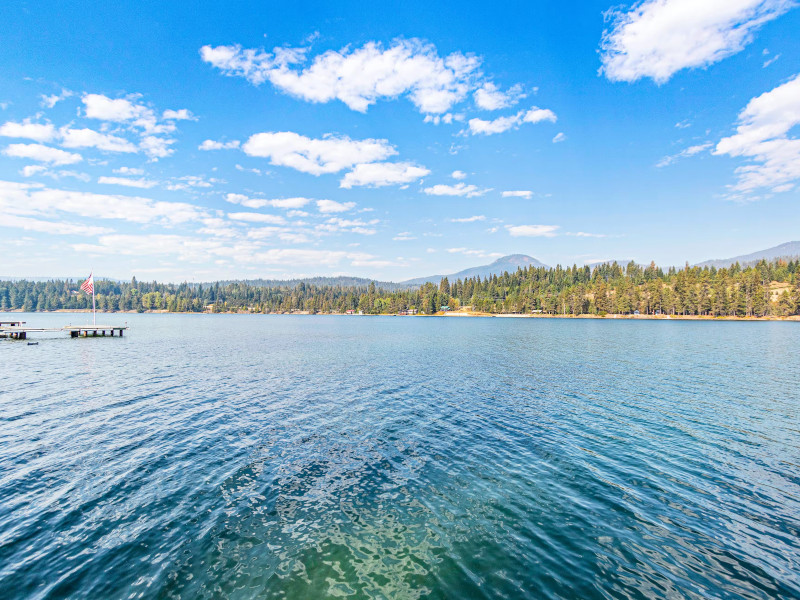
[[41, 279], [508, 263], [787, 251], [341, 281], [622, 263]]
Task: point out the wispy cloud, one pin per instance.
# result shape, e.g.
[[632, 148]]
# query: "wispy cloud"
[[532, 230], [459, 189]]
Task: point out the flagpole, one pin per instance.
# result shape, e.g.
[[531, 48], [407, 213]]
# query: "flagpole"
[[94, 306]]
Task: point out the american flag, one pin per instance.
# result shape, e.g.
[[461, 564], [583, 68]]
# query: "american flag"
[[88, 285]]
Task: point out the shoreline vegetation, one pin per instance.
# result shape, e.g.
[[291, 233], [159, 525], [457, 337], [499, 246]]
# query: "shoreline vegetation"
[[765, 291]]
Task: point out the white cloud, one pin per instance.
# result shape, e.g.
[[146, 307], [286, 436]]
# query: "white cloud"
[[53, 99], [459, 189], [31, 170], [404, 236], [38, 132], [88, 138], [122, 110], [762, 137], [331, 206], [382, 174], [214, 145], [358, 77], [53, 227], [527, 194], [559, 137], [501, 124], [657, 38], [532, 230], [156, 147], [583, 234], [690, 151], [287, 203], [469, 219], [137, 117], [769, 61], [489, 96], [257, 218], [134, 183], [458, 175], [316, 156], [178, 115], [445, 118], [478, 253], [683, 124], [129, 171], [40, 153], [35, 199], [336, 224]]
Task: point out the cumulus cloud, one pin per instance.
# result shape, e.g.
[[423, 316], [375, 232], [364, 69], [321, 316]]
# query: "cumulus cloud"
[[458, 175], [137, 117], [331, 206], [382, 174], [35, 199], [501, 124], [532, 230], [459, 189], [329, 154], [214, 145], [527, 194], [38, 132], [469, 219], [657, 38], [156, 147], [128, 182], [178, 115], [358, 77], [490, 97], [40, 153], [762, 137], [88, 138], [559, 137]]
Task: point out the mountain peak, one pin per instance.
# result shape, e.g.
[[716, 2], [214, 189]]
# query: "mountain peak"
[[505, 263]]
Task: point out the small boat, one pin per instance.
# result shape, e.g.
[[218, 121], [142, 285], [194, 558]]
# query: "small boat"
[[33, 343]]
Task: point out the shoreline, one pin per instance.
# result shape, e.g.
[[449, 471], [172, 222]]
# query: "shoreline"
[[459, 314]]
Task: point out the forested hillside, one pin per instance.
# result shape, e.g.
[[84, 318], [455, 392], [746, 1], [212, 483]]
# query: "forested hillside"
[[760, 290]]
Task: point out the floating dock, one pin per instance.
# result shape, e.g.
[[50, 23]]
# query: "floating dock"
[[19, 331]]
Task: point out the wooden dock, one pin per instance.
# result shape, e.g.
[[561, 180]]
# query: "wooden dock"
[[19, 331]]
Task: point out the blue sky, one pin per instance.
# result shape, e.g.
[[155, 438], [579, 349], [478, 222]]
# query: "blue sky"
[[176, 141]]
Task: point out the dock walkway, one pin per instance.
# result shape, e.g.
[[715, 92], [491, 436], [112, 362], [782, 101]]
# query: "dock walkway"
[[18, 331]]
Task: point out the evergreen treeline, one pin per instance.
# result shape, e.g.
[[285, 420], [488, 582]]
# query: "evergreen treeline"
[[759, 290]]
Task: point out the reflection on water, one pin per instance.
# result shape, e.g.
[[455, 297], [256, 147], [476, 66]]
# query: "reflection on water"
[[305, 457]]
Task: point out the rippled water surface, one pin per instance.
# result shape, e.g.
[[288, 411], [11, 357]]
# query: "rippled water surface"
[[239, 456]]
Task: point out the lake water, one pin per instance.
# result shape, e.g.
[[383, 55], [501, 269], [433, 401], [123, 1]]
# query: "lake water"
[[241, 456]]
